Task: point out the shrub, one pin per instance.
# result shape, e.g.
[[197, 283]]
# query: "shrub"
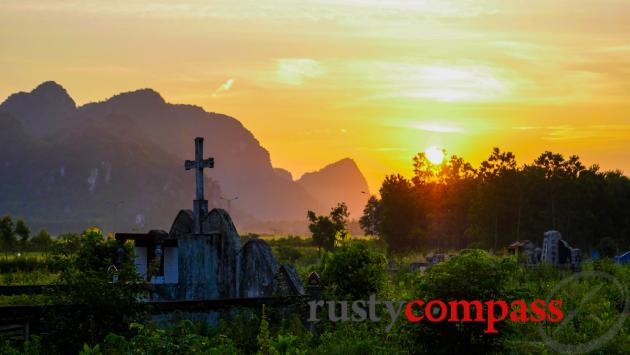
[[98, 306], [473, 275], [354, 271]]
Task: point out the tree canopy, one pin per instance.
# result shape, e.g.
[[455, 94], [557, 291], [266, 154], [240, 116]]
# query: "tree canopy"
[[330, 230], [453, 205]]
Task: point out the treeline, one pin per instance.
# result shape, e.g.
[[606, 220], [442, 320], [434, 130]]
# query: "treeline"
[[16, 236], [453, 205]]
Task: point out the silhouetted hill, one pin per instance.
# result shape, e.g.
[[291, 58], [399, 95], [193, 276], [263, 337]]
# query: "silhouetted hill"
[[242, 166], [48, 107], [12, 133], [109, 163], [341, 181], [91, 175]]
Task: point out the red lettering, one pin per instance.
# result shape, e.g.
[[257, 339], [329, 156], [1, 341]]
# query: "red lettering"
[[436, 311], [466, 307], [491, 316], [409, 312], [555, 310], [519, 314], [538, 310], [429, 311]]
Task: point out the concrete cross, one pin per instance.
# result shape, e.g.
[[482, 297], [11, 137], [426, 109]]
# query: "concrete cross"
[[200, 205]]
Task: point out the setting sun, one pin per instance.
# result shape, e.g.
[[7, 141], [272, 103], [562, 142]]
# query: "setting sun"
[[434, 154], [467, 75]]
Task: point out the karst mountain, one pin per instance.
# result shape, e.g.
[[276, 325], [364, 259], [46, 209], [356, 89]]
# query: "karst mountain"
[[118, 164]]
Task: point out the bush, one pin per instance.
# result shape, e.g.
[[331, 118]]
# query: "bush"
[[98, 306], [183, 338], [360, 338], [354, 271], [473, 275]]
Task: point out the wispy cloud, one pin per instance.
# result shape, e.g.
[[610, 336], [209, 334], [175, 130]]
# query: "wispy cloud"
[[437, 127], [294, 71], [574, 132], [433, 82], [226, 86]]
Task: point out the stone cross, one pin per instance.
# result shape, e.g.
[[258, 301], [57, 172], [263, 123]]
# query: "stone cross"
[[200, 205]]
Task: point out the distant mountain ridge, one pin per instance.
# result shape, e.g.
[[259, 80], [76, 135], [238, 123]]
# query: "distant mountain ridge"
[[128, 151], [47, 107], [326, 185]]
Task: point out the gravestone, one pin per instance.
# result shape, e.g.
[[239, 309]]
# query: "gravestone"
[[525, 251], [557, 251], [435, 259], [418, 266], [201, 257], [259, 269]]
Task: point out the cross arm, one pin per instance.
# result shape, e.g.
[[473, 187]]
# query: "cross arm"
[[199, 164]]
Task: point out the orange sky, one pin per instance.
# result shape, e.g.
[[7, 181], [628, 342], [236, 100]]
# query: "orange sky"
[[317, 81]]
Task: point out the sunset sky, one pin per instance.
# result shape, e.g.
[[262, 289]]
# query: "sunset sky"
[[317, 81]]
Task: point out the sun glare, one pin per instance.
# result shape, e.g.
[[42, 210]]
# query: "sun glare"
[[434, 154]]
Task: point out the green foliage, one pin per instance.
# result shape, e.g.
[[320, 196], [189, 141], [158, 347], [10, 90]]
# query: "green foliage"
[[87, 350], [30, 347], [64, 248], [26, 263], [473, 275], [183, 338], [329, 231], [607, 247], [243, 330], [454, 206], [98, 305], [287, 254], [354, 271], [8, 240], [264, 338], [401, 220], [42, 241], [35, 277], [361, 338], [22, 231], [10, 231], [368, 222]]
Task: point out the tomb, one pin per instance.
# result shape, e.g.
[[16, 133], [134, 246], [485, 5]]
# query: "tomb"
[[525, 251], [557, 251], [201, 256], [435, 259], [418, 266]]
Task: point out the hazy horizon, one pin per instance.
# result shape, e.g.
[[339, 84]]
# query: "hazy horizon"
[[320, 81]]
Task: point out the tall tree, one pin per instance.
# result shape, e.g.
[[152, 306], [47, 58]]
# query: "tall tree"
[[7, 234], [327, 231], [369, 220], [42, 241], [494, 212], [22, 231], [402, 217]]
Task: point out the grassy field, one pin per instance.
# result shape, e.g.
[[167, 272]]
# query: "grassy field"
[[26, 268]]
